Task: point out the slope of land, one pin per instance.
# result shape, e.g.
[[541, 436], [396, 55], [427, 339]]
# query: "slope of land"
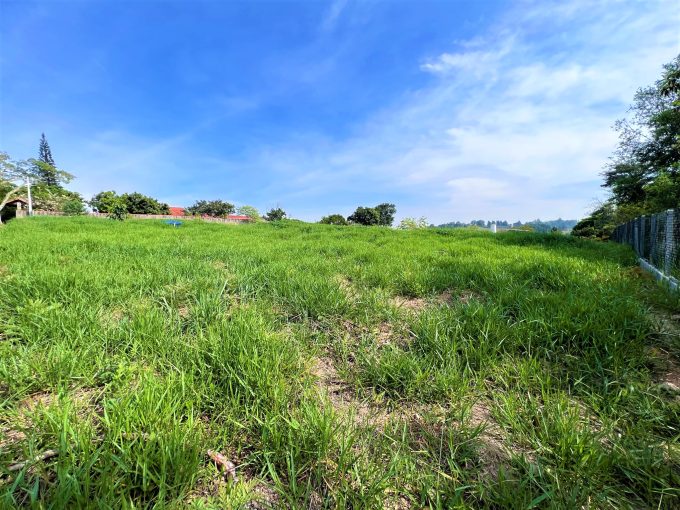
[[336, 367]]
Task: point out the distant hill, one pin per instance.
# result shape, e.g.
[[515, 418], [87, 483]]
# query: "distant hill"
[[537, 225]]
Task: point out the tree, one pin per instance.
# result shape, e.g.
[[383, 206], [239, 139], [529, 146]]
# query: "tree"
[[334, 219], [412, 223], [365, 216], [103, 201], [135, 203], [73, 208], [118, 209], [45, 170], [386, 214], [250, 211], [13, 175], [142, 204], [275, 214], [217, 208]]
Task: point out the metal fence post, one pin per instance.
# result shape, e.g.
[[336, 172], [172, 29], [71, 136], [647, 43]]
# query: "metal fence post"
[[668, 252], [643, 220], [652, 241]]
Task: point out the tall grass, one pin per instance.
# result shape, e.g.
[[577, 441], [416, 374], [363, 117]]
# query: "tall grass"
[[515, 370]]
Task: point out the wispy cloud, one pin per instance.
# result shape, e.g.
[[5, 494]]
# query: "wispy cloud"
[[333, 14], [509, 118]]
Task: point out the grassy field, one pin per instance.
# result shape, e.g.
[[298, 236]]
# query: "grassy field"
[[336, 367]]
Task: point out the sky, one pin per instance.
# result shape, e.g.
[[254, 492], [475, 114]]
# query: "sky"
[[452, 110]]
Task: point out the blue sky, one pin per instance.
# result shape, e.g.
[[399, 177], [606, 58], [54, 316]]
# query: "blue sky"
[[452, 110]]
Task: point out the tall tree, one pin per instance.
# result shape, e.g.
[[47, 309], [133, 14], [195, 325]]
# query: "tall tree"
[[45, 154], [47, 170]]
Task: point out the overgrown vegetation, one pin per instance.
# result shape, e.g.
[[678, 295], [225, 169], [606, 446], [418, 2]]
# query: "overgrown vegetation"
[[644, 173], [336, 367]]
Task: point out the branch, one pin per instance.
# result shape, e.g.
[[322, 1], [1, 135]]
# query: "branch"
[[9, 195], [47, 454]]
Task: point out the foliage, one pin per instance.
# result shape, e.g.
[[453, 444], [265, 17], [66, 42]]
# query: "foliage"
[[45, 164], [644, 173], [250, 211], [276, 214], [334, 219], [217, 208], [412, 223], [103, 201], [73, 208], [386, 214], [118, 209], [135, 203], [337, 367], [382, 214], [365, 216], [141, 204]]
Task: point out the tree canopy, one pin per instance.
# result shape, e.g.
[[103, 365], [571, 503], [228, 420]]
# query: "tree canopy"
[[135, 203], [382, 214], [217, 208], [276, 214]]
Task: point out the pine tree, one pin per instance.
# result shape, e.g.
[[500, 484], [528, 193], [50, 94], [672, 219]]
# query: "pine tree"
[[47, 171], [45, 152]]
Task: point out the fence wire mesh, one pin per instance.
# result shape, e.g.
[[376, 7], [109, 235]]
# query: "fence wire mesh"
[[655, 238]]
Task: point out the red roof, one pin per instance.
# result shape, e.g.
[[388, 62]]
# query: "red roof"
[[177, 211]]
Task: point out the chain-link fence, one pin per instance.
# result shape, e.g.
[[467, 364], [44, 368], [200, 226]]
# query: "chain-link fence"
[[656, 240]]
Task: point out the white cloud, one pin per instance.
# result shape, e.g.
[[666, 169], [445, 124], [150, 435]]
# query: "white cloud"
[[515, 124]]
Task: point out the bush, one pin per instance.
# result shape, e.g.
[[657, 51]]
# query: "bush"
[[334, 219], [73, 208]]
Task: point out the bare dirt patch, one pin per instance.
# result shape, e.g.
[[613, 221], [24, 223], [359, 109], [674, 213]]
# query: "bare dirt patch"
[[409, 303], [343, 398]]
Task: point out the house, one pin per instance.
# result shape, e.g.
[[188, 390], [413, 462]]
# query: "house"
[[176, 211]]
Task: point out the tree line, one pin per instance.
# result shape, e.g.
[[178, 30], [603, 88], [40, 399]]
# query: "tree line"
[[643, 175]]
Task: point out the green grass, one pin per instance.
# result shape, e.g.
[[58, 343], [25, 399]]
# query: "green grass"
[[462, 370]]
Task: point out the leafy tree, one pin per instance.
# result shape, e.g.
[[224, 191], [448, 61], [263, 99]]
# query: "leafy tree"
[[13, 175], [217, 208], [73, 208], [412, 223], [135, 203], [118, 210], [365, 216], [250, 211], [103, 201], [334, 219], [275, 214], [386, 214], [142, 204]]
